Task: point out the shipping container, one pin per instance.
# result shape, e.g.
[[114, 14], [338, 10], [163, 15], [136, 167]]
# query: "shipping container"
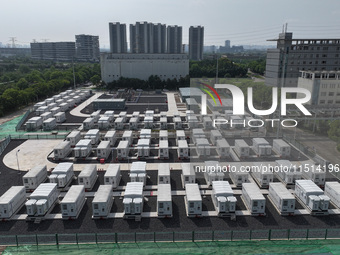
[[83, 148], [133, 123], [93, 135], [41, 110], [123, 115], [49, 124], [180, 135], [193, 200], [164, 201], [178, 123], [262, 174], [34, 177], [37, 105], [239, 174], [138, 172], [281, 198], [203, 147], [148, 122], [73, 202], [62, 174], [119, 123], [11, 201], [103, 150], [223, 148], [183, 149], [215, 135], [281, 148], [34, 123], [311, 196], [223, 198], [332, 190], [261, 147], [212, 172], [133, 199], [46, 115], [163, 123], [51, 106], [104, 123], [287, 172], [73, 137], [241, 148], [253, 199], [123, 150], [163, 135], [112, 175], [88, 176], [95, 116], [102, 202], [163, 173], [62, 150], [88, 123], [143, 148], [127, 136], [163, 149], [314, 173], [60, 117], [207, 122], [111, 137], [110, 115], [188, 174], [64, 107], [55, 110], [145, 133], [42, 199]]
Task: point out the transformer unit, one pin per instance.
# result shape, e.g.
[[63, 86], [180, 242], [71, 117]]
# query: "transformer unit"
[[215, 135], [148, 122], [95, 115], [73, 137], [41, 110], [123, 115], [316, 174], [110, 115], [281, 148], [55, 110], [83, 148], [178, 123], [192, 121], [180, 135], [164, 201], [127, 136], [88, 176], [282, 199], [223, 198], [193, 200], [136, 115], [49, 124], [46, 115], [103, 150], [73, 202], [133, 123], [119, 123], [104, 123], [62, 174], [143, 148], [253, 199], [163, 173], [112, 175], [197, 133], [163, 135], [145, 134], [11, 201], [102, 202], [34, 177], [332, 190], [188, 174], [207, 122], [163, 122], [203, 147], [62, 150]]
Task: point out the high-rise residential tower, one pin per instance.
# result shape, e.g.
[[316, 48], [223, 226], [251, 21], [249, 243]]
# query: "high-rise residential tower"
[[118, 43], [174, 39], [87, 47], [196, 40]]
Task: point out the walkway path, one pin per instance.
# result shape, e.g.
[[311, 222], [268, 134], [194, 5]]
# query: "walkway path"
[[172, 105], [76, 111]]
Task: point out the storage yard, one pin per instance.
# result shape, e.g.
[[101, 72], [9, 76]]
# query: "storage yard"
[[112, 174]]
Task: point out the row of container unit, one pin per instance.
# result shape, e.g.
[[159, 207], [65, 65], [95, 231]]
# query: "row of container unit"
[[11, 201], [223, 198], [281, 198], [138, 172], [102, 202], [34, 177], [212, 172], [83, 148], [312, 196], [253, 199], [46, 124], [88, 176], [133, 199], [42, 200], [62, 175], [73, 202]]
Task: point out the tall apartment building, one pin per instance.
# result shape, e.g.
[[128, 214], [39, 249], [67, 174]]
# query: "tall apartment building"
[[141, 35], [294, 55], [196, 40], [118, 42], [61, 51], [159, 38], [87, 48], [174, 39]]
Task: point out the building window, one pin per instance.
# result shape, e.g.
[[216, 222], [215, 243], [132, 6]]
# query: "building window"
[[322, 101], [324, 62], [304, 62], [324, 55], [332, 86], [324, 86], [323, 94], [325, 48], [317, 55], [337, 102], [311, 55], [331, 94]]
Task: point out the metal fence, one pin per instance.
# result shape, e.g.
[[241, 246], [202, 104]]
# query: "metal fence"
[[190, 236], [17, 127], [4, 143], [38, 136]]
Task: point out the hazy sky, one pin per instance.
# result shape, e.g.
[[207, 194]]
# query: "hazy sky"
[[241, 21]]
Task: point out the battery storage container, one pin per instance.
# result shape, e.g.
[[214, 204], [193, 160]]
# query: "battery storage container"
[[73, 202], [112, 175], [164, 200], [102, 201], [253, 199], [282, 199], [193, 200], [88, 176], [11, 201], [34, 177]]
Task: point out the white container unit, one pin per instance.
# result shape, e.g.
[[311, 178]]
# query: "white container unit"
[[143, 148], [138, 172], [123, 150], [183, 149], [123, 115], [188, 174], [88, 123], [164, 201], [64, 107], [104, 123], [148, 122], [112, 176], [281, 198], [149, 113], [62, 150], [241, 148], [46, 115], [311, 196], [59, 102], [136, 115], [110, 115], [287, 171], [51, 106], [193, 200], [238, 174], [164, 173], [163, 149], [73, 202], [253, 199], [77, 99], [93, 135], [197, 133], [317, 175], [37, 105], [145, 133], [41, 110], [133, 199], [163, 135], [62, 174], [11, 201], [332, 190], [127, 136], [133, 123], [262, 174], [223, 198], [34, 177], [73, 137], [207, 122], [56, 97], [281, 148], [261, 147], [49, 101], [88, 176], [42, 199], [178, 122], [192, 121], [163, 122], [213, 172], [95, 115], [102, 202], [83, 148], [60, 117], [49, 124], [223, 148], [111, 137], [180, 135], [34, 123], [55, 110], [215, 135], [103, 150], [203, 147]]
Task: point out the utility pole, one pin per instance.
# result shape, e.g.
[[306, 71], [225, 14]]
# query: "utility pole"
[[74, 76], [216, 80]]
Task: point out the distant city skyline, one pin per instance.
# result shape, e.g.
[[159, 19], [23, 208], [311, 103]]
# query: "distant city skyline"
[[243, 22]]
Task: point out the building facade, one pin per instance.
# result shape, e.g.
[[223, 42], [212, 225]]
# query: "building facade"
[[196, 40], [294, 55], [141, 37], [159, 38], [57, 51], [174, 40], [324, 87], [87, 48], [142, 66], [118, 42]]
